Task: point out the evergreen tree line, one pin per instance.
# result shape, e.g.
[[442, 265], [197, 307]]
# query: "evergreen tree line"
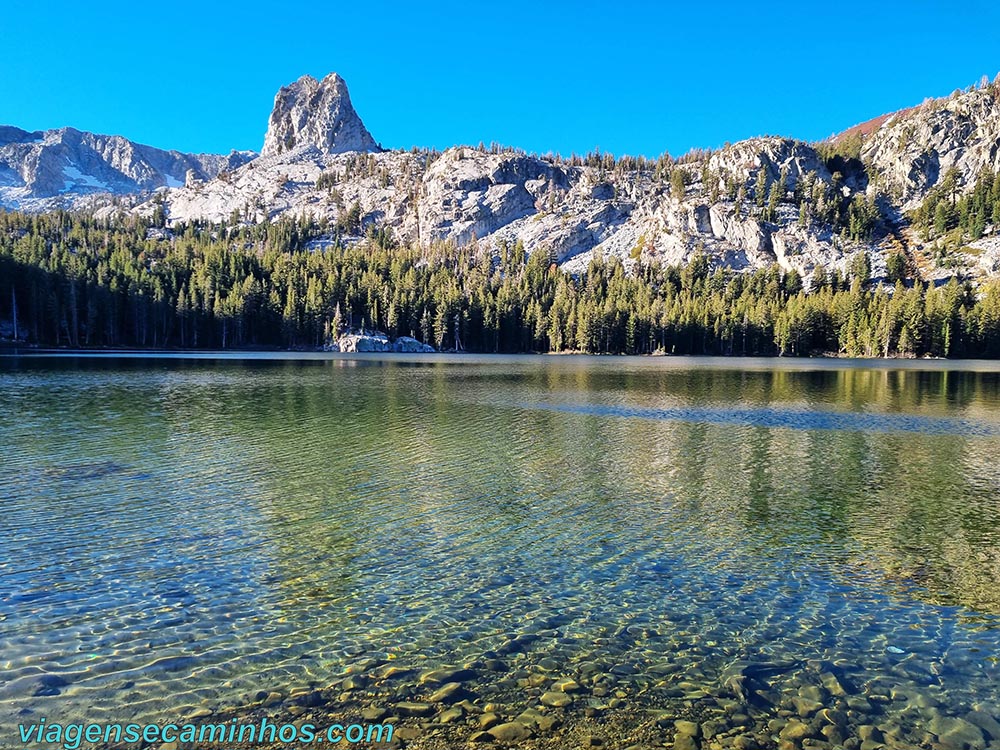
[[76, 281], [966, 216]]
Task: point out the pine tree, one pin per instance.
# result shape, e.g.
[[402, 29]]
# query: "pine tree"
[[760, 188], [678, 183]]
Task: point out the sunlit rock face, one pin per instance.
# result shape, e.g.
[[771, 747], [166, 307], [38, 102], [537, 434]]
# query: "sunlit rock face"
[[913, 151], [316, 113], [64, 168]]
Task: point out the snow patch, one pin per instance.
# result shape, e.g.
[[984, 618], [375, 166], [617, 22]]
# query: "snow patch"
[[75, 179], [320, 243]]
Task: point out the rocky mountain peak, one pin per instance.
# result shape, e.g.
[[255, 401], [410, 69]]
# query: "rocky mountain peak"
[[316, 113]]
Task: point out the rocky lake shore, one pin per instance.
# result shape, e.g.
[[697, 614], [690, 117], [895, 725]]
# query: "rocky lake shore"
[[516, 701]]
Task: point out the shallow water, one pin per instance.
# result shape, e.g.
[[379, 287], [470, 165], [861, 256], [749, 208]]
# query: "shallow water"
[[179, 532]]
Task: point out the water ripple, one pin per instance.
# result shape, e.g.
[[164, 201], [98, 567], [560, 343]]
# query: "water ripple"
[[785, 419], [188, 533]]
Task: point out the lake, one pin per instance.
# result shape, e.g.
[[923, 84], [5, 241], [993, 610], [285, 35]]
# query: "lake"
[[752, 545]]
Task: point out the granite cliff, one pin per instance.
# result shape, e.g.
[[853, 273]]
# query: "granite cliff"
[[318, 114]]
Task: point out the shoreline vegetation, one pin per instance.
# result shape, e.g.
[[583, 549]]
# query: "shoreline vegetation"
[[72, 281], [15, 348], [20, 348]]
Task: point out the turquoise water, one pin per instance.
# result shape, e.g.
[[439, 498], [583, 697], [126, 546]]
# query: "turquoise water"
[[185, 532]]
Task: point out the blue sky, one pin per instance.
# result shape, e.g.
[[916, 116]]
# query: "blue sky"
[[628, 77]]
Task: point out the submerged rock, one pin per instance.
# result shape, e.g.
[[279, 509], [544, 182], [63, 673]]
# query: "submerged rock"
[[451, 692], [985, 722], [955, 732], [567, 686], [443, 675], [489, 720], [687, 727], [407, 708], [512, 731], [556, 699]]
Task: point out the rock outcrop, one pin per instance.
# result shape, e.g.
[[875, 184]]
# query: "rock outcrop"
[[376, 341], [567, 211], [914, 150], [316, 113]]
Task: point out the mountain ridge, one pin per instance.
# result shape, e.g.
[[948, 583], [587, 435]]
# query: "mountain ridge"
[[757, 202], [65, 167]]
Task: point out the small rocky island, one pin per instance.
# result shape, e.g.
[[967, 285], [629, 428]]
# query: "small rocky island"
[[377, 341]]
